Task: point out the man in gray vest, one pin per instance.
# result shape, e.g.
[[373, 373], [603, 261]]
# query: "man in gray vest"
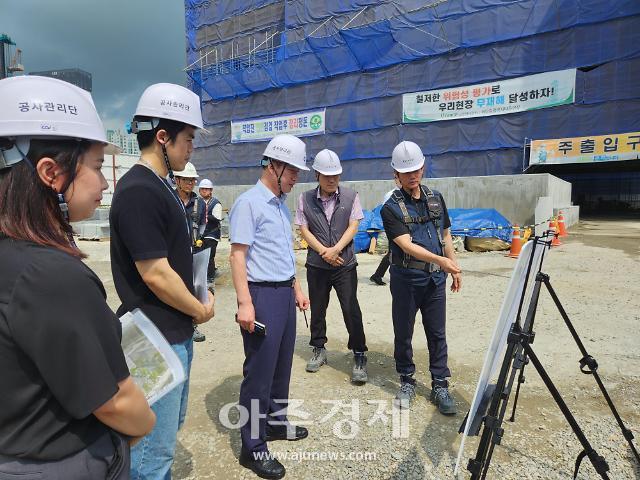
[[328, 217]]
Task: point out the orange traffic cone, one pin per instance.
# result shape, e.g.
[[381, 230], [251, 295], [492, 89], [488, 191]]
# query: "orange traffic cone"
[[516, 243], [562, 229], [555, 241]]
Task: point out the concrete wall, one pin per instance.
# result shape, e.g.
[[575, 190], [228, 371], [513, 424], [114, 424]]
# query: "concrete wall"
[[514, 196], [522, 199]]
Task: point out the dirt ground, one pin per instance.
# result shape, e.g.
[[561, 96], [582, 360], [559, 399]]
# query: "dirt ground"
[[596, 274]]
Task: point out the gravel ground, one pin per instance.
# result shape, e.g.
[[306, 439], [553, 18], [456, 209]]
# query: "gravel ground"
[[595, 273]]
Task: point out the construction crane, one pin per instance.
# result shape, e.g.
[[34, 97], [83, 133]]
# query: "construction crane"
[[5, 51]]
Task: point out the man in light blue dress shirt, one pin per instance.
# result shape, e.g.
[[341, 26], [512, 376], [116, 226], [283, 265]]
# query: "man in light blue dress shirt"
[[263, 268]]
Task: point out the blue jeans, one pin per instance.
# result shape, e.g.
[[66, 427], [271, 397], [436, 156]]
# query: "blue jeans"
[[152, 457]]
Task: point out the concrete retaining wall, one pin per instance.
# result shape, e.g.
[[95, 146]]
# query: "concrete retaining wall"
[[523, 199], [514, 196]]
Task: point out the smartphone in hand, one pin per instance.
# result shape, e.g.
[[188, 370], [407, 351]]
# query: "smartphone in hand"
[[259, 329]]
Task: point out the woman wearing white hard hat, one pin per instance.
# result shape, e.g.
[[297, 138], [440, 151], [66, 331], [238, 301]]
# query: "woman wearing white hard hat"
[[418, 228], [68, 400], [151, 254], [328, 217], [211, 235], [263, 268]]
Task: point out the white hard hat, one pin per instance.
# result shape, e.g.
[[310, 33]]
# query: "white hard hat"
[[327, 163], [33, 106], [188, 172], [288, 149], [205, 183], [170, 101], [407, 157]]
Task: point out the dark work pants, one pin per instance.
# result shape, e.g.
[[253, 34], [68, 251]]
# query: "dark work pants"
[[345, 283], [430, 299], [213, 245], [384, 266], [267, 364], [107, 458]]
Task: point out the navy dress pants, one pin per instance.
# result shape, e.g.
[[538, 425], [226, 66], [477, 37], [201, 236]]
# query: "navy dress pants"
[[267, 364], [430, 299]]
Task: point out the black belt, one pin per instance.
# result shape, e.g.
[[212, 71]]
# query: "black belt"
[[285, 283], [418, 265]]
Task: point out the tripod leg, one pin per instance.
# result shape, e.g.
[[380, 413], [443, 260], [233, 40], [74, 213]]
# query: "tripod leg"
[[521, 359], [589, 366], [493, 421], [598, 462]]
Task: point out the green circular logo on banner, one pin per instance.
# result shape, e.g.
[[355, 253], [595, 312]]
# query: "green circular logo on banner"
[[315, 122]]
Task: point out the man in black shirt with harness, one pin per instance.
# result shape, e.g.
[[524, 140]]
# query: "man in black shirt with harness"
[[422, 253]]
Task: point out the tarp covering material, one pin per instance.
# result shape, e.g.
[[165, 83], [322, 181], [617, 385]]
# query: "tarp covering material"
[[368, 227], [617, 40], [359, 75], [361, 242], [419, 34], [372, 220], [208, 12], [478, 146], [479, 223], [436, 138]]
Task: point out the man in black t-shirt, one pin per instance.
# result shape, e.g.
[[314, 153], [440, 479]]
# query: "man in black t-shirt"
[[151, 258], [417, 225]]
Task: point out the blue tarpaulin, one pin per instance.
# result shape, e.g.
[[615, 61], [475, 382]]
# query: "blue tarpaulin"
[[368, 228], [359, 73], [480, 223]]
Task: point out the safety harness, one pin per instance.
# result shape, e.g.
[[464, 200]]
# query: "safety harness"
[[434, 214]]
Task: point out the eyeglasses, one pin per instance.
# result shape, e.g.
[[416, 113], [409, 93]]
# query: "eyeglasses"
[[187, 180]]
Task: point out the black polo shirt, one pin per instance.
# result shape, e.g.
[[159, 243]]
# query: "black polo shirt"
[[60, 352], [148, 221], [395, 227]]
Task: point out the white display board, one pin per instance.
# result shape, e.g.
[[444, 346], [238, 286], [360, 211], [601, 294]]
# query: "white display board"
[[506, 318]]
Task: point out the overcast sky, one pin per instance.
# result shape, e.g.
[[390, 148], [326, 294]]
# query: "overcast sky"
[[126, 45]]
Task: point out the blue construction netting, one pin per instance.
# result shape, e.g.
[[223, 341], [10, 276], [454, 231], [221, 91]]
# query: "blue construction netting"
[[437, 138], [409, 37], [359, 75], [616, 40]]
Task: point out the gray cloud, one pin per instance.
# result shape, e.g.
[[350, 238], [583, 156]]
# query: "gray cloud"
[[125, 45]]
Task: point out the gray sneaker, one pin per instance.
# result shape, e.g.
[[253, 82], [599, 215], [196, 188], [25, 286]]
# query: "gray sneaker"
[[406, 394], [441, 397], [318, 359], [198, 336], [359, 372]]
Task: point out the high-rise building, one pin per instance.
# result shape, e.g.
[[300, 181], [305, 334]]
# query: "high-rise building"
[[128, 143], [78, 77]]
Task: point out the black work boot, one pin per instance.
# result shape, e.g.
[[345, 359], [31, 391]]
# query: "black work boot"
[[441, 397], [318, 359], [406, 392], [359, 371]]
